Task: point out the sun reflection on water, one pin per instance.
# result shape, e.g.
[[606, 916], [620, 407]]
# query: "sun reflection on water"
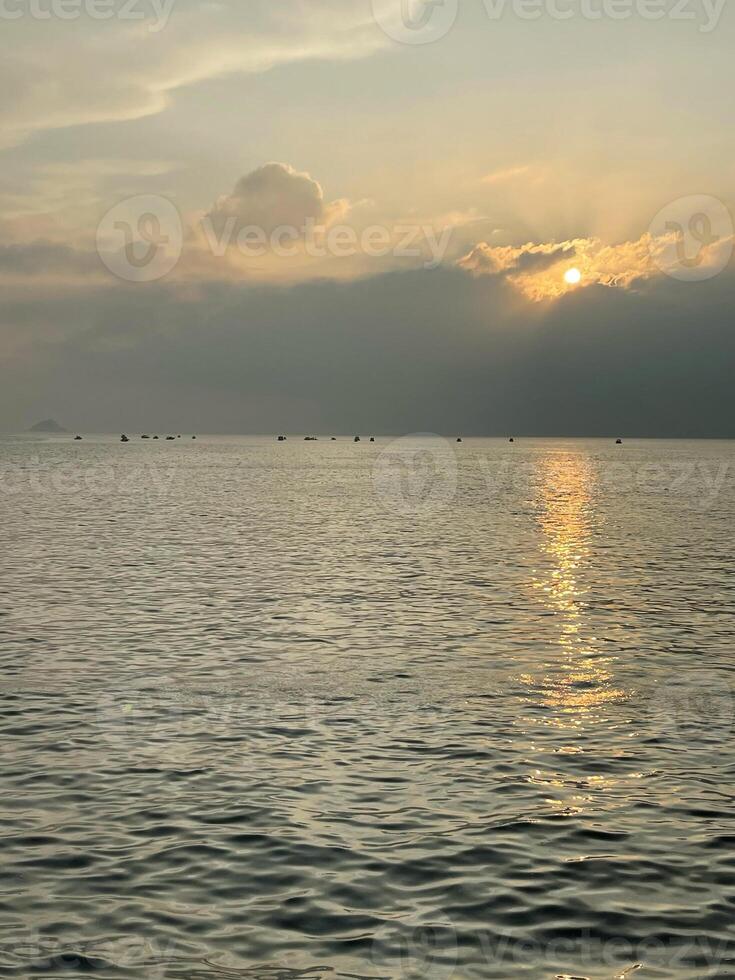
[[576, 681], [572, 688]]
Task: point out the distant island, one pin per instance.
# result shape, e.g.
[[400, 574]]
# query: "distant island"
[[48, 425]]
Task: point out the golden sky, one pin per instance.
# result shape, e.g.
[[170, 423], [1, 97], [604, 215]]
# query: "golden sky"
[[561, 147]]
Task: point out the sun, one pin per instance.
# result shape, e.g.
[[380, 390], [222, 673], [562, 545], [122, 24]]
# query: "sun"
[[572, 276]]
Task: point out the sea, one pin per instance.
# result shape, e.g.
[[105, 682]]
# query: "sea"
[[410, 708]]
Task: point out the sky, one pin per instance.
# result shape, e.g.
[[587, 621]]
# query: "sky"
[[459, 216]]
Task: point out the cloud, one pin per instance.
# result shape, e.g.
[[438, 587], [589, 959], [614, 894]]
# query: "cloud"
[[295, 243], [492, 260], [509, 173], [276, 225], [346, 357], [273, 196], [47, 260], [537, 270], [61, 73]]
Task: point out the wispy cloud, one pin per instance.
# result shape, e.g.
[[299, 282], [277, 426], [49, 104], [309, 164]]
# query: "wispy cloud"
[[510, 173], [537, 269]]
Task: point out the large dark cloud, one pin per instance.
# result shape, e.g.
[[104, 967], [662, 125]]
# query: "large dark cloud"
[[48, 258], [414, 351]]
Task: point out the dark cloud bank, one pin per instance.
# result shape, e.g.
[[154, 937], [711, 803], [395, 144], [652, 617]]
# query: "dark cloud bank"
[[408, 351]]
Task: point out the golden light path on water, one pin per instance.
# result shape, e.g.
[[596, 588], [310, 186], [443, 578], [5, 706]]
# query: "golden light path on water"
[[574, 682]]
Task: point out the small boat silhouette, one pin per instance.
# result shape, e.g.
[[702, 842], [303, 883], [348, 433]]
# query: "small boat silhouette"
[[356, 439], [124, 438], [77, 438], [458, 439], [145, 437], [511, 439], [618, 442], [281, 438]]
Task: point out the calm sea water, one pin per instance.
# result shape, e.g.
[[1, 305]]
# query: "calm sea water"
[[403, 709]]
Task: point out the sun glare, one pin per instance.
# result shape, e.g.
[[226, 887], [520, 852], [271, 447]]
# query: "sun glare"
[[572, 276]]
